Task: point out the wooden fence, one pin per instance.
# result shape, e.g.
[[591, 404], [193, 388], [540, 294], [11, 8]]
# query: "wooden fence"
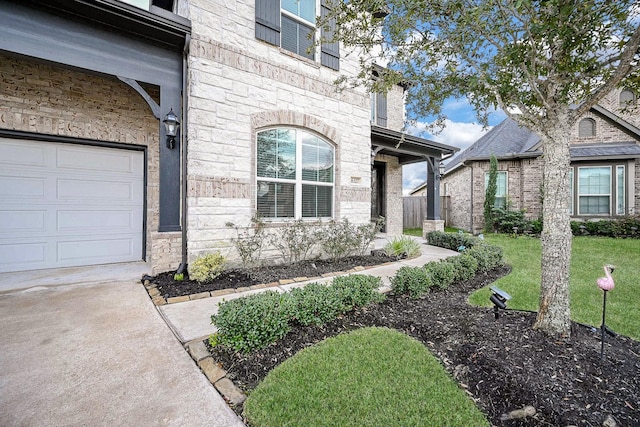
[[414, 210]]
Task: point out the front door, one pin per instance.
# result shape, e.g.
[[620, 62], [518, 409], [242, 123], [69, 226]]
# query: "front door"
[[378, 199]]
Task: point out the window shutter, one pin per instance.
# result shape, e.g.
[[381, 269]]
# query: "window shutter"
[[381, 109], [268, 21], [330, 52]]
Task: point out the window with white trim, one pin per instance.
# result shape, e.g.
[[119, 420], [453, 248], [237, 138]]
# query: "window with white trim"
[[291, 24], [620, 190], [501, 188], [594, 190], [295, 175]]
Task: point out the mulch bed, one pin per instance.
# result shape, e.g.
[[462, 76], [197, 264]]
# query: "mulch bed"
[[237, 278], [503, 364]]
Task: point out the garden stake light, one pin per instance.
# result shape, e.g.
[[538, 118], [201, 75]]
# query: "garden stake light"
[[499, 299], [606, 284]]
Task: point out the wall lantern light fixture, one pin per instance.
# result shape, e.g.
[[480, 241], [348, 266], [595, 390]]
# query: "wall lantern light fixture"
[[171, 125], [441, 169]]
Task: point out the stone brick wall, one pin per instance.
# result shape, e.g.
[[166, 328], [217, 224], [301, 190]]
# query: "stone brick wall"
[[41, 98], [239, 85], [395, 108], [455, 187]]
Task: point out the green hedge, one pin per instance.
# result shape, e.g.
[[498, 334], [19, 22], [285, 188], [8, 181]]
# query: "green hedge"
[[477, 256], [253, 322], [624, 227]]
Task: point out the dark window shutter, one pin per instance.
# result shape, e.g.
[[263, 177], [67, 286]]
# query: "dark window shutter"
[[268, 21], [330, 52], [381, 109]]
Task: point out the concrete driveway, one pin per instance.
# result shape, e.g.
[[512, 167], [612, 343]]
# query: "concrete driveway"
[[98, 355]]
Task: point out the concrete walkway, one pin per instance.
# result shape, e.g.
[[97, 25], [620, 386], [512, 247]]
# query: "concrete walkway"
[[191, 320], [98, 355]]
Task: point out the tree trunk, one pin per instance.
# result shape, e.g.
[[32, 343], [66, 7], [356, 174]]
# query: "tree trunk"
[[554, 312]]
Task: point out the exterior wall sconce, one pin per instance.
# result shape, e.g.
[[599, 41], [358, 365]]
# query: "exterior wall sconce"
[[441, 169], [172, 125]]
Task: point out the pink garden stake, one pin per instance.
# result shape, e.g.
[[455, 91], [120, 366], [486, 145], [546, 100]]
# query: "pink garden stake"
[[606, 284]]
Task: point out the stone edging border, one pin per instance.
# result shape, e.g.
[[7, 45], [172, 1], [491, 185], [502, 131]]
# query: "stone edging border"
[[158, 299]]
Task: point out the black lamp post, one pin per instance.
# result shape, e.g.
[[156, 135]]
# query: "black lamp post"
[[171, 125]]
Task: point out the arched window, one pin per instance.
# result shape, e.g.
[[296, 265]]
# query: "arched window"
[[295, 174], [587, 127], [627, 98]]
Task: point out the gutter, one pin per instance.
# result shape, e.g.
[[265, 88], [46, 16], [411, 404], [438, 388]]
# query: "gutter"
[[183, 152]]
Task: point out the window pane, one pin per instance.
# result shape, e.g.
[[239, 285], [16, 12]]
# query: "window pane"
[[277, 154], [143, 4], [620, 209], [275, 200], [317, 201], [317, 159], [306, 9], [501, 180], [594, 205], [571, 191], [594, 180], [295, 37], [586, 127]]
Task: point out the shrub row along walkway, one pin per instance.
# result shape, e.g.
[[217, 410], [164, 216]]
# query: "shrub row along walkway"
[[191, 320]]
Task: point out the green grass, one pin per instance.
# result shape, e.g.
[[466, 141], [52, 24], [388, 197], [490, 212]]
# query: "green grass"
[[413, 232], [369, 377], [589, 254]]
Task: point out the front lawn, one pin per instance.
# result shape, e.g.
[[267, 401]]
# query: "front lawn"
[[589, 254], [368, 377]]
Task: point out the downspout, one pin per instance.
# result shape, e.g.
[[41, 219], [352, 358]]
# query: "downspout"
[[183, 146]]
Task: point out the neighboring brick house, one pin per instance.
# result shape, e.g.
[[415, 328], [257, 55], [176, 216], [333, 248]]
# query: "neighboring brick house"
[[89, 176], [604, 174]]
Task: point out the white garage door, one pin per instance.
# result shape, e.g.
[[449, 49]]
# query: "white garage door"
[[64, 205]]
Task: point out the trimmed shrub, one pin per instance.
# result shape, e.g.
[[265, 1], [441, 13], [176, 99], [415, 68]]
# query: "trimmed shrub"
[[452, 240], [624, 227], [464, 265], [249, 323], [357, 290], [403, 245], [338, 239], [415, 281], [442, 273], [294, 241], [505, 219], [314, 304], [488, 256], [207, 267]]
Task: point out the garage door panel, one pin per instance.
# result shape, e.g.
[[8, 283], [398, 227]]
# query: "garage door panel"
[[92, 221], [85, 189], [105, 249], [22, 221], [16, 255], [29, 154], [93, 160], [25, 187]]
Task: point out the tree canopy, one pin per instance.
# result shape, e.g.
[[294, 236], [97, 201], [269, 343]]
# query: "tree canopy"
[[543, 62]]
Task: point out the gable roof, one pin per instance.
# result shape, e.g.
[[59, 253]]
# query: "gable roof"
[[510, 140]]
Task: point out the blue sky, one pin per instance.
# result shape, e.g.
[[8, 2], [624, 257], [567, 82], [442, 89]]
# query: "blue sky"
[[461, 130]]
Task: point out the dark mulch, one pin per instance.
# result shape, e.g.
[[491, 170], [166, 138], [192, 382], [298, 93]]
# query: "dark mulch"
[[503, 364], [237, 278]]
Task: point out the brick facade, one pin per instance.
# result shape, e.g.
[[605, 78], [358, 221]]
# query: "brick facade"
[[41, 98], [465, 202]]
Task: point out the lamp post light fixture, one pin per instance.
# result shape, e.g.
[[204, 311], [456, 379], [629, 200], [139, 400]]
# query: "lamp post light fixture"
[[171, 125], [441, 169], [499, 299]]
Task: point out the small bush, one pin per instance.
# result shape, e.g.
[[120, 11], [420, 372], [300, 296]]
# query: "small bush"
[[452, 241], [314, 304], [294, 241], [442, 273], [338, 239], [488, 256], [252, 322], [628, 227], [366, 233], [403, 245], [415, 281], [357, 290], [505, 219], [207, 267], [250, 241], [464, 265]]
